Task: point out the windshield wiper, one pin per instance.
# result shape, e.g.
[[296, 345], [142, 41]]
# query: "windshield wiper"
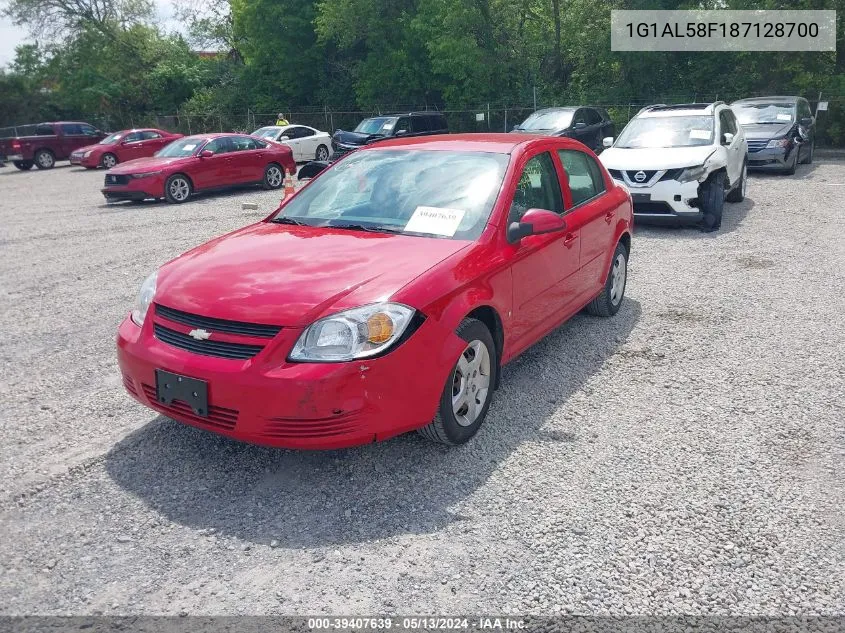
[[282, 219], [369, 229]]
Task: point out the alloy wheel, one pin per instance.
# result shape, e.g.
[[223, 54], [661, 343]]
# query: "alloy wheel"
[[179, 189], [45, 159], [618, 277], [322, 153], [274, 176], [471, 383], [109, 161]]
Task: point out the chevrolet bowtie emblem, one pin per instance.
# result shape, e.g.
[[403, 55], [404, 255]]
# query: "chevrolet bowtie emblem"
[[200, 335]]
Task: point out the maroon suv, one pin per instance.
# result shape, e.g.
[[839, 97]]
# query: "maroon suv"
[[47, 143]]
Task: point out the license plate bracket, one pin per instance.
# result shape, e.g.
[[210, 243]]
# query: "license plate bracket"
[[191, 391], [641, 197]]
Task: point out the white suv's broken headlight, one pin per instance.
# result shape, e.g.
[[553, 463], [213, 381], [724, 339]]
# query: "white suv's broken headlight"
[[693, 173]]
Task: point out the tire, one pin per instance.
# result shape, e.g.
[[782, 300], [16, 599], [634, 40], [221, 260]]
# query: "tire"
[[456, 423], [712, 198], [789, 171], [23, 165], [322, 153], [737, 194], [274, 176], [44, 159], [609, 300], [178, 189], [108, 160], [808, 159]]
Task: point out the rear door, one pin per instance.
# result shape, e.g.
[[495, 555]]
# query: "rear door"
[[131, 147], [591, 209], [153, 141], [544, 267], [248, 158]]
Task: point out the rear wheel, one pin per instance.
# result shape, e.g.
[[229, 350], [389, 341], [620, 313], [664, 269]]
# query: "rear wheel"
[[322, 153], [610, 298], [23, 165], [177, 189], [108, 160], [44, 159], [469, 389], [273, 176], [737, 194]]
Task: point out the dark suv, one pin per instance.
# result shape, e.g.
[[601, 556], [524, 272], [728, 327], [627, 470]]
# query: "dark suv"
[[377, 128], [587, 124], [781, 132]]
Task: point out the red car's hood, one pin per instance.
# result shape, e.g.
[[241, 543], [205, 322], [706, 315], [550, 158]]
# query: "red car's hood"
[[290, 275], [147, 164]]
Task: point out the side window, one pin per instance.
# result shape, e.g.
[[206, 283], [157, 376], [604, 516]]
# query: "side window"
[[580, 117], [242, 143], [437, 123], [89, 130], [43, 129], [804, 110], [72, 129], [149, 135], [305, 132], [420, 124], [404, 123], [725, 123], [293, 133], [593, 117], [538, 188], [132, 137], [219, 146], [585, 177]]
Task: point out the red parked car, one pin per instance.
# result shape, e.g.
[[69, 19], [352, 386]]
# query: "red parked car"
[[200, 163], [121, 147], [384, 296]]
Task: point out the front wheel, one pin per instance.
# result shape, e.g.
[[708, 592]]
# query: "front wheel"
[[273, 176], [737, 194], [108, 160], [808, 159], [790, 170], [469, 388], [23, 165], [609, 300], [322, 153], [44, 159], [177, 189], [712, 200]]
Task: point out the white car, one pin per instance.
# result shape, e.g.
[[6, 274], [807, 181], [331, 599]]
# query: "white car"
[[305, 142], [680, 162]]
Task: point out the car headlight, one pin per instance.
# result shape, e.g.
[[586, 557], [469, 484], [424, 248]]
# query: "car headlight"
[[357, 333], [778, 142], [145, 174], [692, 173], [145, 298], [88, 153]]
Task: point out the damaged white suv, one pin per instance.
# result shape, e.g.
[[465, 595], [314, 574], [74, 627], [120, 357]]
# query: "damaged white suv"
[[681, 162]]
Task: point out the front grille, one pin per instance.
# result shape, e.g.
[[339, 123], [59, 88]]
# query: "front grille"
[[218, 417], [672, 174], [296, 429], [112, 179], [615, 174], [220, 349], [218, 325], [755, 145], [661, 208], [633, 172]]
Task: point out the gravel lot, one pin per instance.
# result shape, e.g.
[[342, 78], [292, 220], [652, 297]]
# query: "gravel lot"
[[685, 456]]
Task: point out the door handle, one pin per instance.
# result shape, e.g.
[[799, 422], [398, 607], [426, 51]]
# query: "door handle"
[[569, 240], [608, 217]]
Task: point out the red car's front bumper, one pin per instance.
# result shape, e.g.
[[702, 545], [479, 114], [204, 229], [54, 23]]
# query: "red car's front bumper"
[[268, 400], [90, 162], [134, 188]]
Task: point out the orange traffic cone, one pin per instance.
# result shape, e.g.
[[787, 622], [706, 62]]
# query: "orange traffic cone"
[[289, 188]]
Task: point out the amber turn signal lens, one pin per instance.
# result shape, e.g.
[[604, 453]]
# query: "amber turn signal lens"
[[379, 328]]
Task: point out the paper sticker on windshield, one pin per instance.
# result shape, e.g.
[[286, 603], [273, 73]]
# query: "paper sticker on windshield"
[[701, 134], [388, 125], [188, 148], [784, 117], [435, 220]]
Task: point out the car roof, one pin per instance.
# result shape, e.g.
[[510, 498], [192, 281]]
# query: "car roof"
[[775, 99], [560, 109], [496, 143], [680, 109]]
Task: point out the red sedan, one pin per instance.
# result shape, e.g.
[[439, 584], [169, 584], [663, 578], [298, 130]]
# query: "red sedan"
[[200, 163], [121, 147], [383, 297]]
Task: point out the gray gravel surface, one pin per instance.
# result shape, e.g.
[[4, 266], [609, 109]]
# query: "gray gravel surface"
[[685, 456]]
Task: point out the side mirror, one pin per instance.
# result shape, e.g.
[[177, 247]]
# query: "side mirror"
[[401, 132], [206, 153], [806, 121], [284, 138], [535, 222], [607, 141], [727, 138], [579, 125]]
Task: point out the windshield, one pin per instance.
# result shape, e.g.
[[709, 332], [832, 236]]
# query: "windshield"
[[750, 113], [378, 125], [556, 120], [111, 139], [267, 132], [667, 131], [183, 147], [431, 193]]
